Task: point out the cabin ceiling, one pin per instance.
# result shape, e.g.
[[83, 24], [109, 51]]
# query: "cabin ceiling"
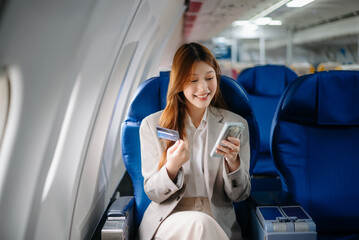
[[205, 19]]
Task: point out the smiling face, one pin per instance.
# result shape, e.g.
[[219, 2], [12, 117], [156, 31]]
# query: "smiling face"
[[201, 88]]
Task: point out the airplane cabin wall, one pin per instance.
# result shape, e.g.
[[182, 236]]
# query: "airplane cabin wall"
[[73, 67], [172, 46], [140, 47]]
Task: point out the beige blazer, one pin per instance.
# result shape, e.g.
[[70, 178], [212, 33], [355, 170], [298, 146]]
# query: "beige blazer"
[[165, 194]]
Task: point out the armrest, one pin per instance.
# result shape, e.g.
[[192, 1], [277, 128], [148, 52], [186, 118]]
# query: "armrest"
[[119, 222], [121, 207], [276, 215], [275, 198]]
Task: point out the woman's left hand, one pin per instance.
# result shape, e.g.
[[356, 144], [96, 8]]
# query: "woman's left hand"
[[230, 150]]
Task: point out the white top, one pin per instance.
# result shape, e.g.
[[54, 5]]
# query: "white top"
[[195, 186]]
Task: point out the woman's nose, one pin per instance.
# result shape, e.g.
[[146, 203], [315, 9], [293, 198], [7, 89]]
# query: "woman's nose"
[[203, 86]]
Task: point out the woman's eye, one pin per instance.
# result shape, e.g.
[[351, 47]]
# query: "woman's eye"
[[193, 81], [208, 79]]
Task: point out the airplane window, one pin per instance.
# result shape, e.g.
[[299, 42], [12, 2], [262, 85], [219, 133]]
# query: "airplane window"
[[4, 101]]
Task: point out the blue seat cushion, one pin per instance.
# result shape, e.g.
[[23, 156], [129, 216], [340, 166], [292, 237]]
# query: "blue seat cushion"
[[317, 172], [264, 109], [342, 109], [323, 98], [266, 80], [265, 167], [131, 156], [315, 148], [150, 97], [264, 85]]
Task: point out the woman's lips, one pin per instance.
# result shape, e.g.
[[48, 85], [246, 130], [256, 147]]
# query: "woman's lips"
[[202, 96]]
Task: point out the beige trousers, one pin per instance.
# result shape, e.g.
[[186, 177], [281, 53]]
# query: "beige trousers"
[[191, 219]]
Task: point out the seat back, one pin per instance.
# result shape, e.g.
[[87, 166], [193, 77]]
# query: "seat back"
[[315, 139], [150, 98], [264, 85]]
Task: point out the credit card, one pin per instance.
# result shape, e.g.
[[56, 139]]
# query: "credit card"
[[168, 134]]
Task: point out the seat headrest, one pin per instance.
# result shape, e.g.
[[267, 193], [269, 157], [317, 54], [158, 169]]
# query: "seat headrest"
[[323, 98], [267, 80], [151, 97], [235, 97]]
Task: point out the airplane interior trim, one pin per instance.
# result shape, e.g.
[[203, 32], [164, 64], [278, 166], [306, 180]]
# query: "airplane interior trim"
[[70, 70], [5, 101]]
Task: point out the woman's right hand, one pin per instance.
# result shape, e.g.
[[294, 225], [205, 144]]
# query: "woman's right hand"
[[177, 155]]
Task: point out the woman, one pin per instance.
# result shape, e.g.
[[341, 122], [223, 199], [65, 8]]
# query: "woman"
[[191, 192]]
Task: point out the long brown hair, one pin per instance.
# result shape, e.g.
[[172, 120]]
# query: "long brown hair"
[[174, 114]]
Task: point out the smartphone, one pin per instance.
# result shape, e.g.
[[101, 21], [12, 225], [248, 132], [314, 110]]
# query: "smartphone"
[[230, 129]]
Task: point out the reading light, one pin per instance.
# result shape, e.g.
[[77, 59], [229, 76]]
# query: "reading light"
[[298, 3]]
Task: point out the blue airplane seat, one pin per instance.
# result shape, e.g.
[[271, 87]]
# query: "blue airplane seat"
[[150, 98], [264, 85], [314, 143]]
